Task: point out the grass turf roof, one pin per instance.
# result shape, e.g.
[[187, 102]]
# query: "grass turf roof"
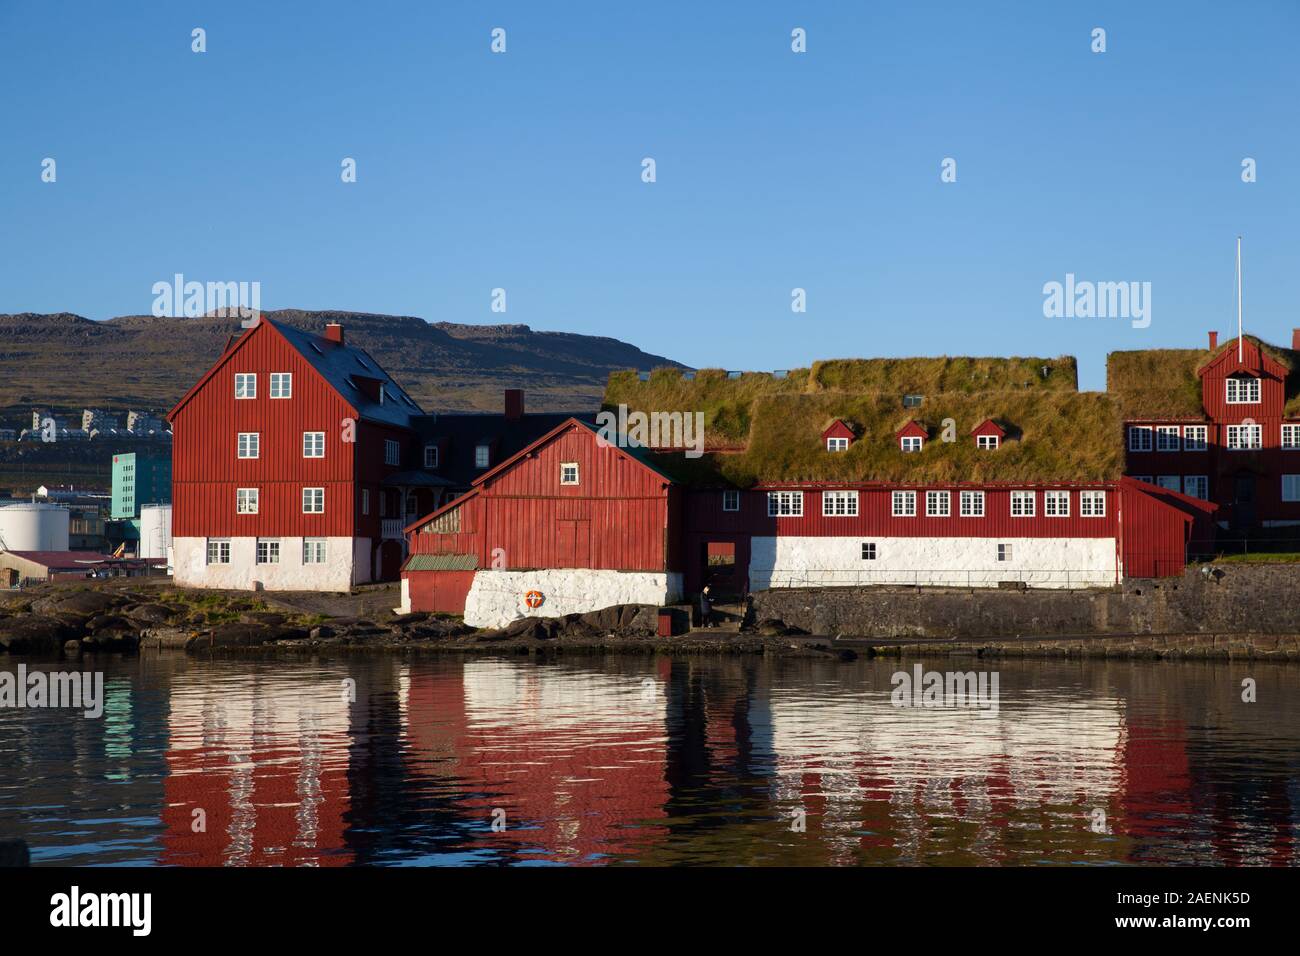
[[1055, 433], [1164, 383]]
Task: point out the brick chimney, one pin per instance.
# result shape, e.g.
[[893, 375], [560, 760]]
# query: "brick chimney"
[[334, 332], [514, 404], [1214, 341], [1295, 340]]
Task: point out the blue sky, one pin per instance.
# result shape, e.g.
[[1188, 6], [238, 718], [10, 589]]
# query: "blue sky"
[[775, 170]]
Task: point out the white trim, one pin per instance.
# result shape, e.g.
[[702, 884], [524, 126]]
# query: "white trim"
[[565, 478], [247, 383], [1029, 511], [938, 504], [315, 497], [306, 449], [903, 504], [281, 382], [785, 504], [1250, 386], [971, 499], [1056, 503], [730, 499], [840, 504], [248, 442]]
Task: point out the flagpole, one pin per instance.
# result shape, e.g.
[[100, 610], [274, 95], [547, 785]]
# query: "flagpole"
[[1240, 347]]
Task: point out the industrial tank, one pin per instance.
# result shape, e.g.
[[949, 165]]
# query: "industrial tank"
[[155, 531], [33, 527]]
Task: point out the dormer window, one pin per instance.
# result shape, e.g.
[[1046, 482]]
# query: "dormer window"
[[988, 435], [913, 401], [482, 455], [1242, 391], [911, 442], [838, 435], [837, 444], [987, 442]]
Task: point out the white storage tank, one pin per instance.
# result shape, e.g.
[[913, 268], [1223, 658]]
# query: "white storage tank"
[[155, 531], [33, 527]]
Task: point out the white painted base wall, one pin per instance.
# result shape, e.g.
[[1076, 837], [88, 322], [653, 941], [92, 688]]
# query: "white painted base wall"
[[497, 597], [405, 606], [955, 562], [336, 574]]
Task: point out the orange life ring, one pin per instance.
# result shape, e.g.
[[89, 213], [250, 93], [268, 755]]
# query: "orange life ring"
[[534, 599]]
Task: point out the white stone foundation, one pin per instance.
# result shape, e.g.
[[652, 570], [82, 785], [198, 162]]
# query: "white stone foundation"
[[244, 573], [952, 562], [497, 597]]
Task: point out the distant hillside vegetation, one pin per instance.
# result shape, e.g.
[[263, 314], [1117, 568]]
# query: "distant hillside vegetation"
[[141, 361]]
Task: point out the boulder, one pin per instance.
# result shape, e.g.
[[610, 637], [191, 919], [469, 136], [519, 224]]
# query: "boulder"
[[269, 618], [31, 634], [166, 636], [111, 640], [233, 634], [77, 603], [111, 622], [152, 613]]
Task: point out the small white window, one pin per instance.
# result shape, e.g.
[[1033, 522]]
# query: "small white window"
[[313, 550], [1168, 482], [246, 501], [840, 504], [1004, 552], [730, 500], [1139, 438], [568, 472], [430, 456], [1291, 487], [972, 504], [1242, 391], [784, 504], [1243, 437], [903, 504], [910, 443], [837, 444], [365, 501], [868, 550], [986, 442], [282, 385], [938, 504], [482, 455], [1167, 438], [268, 551], [392, 452], [245, 385], [1022, 504], [313, 444], [313, 501], [1197, 486], [1092, 504], [218, 550], [1291, 436], [1194, 437], [1056, 504], [249, 444]]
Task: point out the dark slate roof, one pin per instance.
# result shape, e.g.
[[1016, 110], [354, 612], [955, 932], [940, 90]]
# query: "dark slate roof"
[[338, 363], [418, 479], [457, 434]]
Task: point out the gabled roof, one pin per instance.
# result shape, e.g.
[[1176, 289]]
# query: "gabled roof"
[[457, 433], [638, 455], [335, 363], [838, 428], [989, 427], [1172, 497], [913, 429], [439, 512]]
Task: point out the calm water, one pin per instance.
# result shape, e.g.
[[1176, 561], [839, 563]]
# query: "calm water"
[[648, 760]]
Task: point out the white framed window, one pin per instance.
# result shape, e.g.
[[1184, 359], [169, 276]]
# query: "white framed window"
[[313, 501], [910, 443], [268, 550], [986, 442], [313, 550], [903, 504], [1168, 482], [245, 385], [313, 444], [568, 472], [938, 504], [837, 444], [1242, 391], [246, 501], [1291, 487], [1022, 504], [365, 501], [1291, 436], [1197, 486], [784, 504], [1194, 437], [1243, 437], [482, 455], [282, 385], [392, 452], [430, 456], [1139, 438], [1167, 437], [218, 550], [249, 445], [840, 504], [972, 504], [868, 550], [730, 500], [1056, 504], [1004, 552], [1092, 504]]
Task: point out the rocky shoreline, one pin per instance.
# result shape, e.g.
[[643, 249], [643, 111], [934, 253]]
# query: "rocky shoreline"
[[87, 620]]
